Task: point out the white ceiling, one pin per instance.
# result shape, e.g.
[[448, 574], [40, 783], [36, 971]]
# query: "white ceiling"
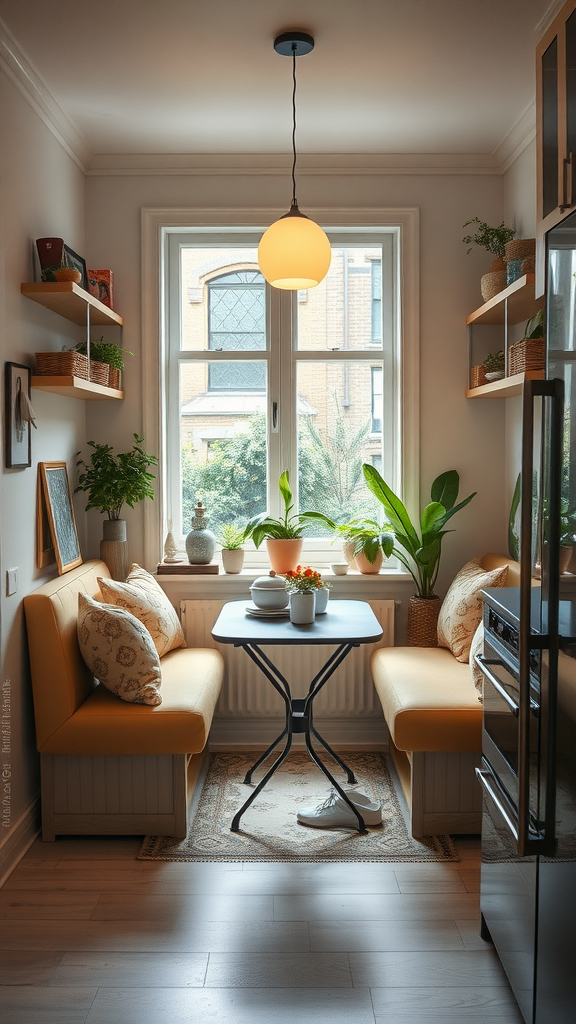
[[201, 76]]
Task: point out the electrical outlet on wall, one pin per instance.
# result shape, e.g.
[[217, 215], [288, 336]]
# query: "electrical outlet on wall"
[[11, 581]]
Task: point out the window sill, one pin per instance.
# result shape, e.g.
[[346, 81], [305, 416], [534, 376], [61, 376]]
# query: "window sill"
[[388, 583]]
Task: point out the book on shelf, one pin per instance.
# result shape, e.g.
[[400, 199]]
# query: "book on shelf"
[[185, 568]]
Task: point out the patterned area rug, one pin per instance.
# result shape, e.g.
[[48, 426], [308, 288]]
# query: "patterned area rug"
[[269, 830]]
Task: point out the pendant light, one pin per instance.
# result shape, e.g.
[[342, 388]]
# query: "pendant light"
[[294, 252]]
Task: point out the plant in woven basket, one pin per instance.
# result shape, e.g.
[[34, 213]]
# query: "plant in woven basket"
[[535, 327], [419, 550], [491, 239], [494, 363], [105, 352]]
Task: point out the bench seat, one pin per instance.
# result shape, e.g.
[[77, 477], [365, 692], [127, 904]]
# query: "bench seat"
[[109, 766], [434, 717], [428, 699], [105, 724]]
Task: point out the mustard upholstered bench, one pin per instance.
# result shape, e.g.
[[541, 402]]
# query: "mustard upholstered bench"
[[434, 717], [108, 766]]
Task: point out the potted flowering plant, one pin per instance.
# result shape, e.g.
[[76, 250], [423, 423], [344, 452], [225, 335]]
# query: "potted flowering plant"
[[302, 583]]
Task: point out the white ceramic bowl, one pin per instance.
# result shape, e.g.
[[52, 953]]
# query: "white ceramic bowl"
[[339, 568], [270, 597]]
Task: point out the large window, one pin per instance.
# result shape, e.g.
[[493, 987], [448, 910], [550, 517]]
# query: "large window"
[[259, 380]]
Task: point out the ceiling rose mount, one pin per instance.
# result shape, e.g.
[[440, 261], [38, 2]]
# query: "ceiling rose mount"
[[294, 253], [294, 44]]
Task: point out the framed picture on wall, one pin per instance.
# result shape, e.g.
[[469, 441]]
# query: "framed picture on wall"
[[60, 511], [19, 416], [72, 260], [45, 554]]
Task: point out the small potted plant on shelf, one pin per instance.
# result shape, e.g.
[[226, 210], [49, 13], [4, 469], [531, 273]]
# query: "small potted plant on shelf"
[[107, 353], [302, 583], [494, 241], [491, 369], [528, 354], [283, 536], [111, 482], [232, 538], [419, 550]]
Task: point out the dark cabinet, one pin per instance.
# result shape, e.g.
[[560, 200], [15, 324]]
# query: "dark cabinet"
[[556, 128]]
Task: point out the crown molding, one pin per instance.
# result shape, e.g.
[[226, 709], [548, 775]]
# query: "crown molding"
[[269, 164], [548, 16], [515, 141], [27, 79]]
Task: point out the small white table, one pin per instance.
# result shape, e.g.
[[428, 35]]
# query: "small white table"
[[347, 624]]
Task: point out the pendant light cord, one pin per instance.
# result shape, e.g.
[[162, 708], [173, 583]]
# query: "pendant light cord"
[[294, 203]]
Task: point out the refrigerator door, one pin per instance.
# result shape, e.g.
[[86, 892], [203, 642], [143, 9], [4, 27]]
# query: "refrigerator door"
[[556, 975]]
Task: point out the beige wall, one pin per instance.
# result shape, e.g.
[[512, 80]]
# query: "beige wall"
[[41, 193], [519, 211], [454, 433]]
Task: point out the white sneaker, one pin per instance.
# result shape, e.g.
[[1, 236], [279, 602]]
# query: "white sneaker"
[[334, 812]]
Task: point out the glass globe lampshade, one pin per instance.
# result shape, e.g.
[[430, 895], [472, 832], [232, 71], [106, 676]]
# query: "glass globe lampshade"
[[294, 252]]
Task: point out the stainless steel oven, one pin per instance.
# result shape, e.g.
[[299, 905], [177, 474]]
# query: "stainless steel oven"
[[500, 739]]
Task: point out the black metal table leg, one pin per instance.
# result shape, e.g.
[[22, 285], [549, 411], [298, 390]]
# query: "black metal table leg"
[[298, 720]]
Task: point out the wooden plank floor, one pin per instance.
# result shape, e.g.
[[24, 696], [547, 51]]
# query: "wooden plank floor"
[[89, 935]]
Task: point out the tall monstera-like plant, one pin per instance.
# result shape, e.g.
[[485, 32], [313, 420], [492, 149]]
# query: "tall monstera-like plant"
[[419, 549]]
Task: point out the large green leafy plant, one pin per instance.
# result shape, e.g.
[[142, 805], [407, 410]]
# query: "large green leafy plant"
[[419, 550], [289, 527], [116, 480]]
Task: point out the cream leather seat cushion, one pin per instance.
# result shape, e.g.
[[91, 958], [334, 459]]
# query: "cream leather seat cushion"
[[428, 699], [104, 724]]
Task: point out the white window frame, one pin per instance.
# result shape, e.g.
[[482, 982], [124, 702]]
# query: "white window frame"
[[356, 225]]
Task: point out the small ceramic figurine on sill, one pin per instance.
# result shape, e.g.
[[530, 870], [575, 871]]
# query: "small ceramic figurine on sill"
[[170, 549]]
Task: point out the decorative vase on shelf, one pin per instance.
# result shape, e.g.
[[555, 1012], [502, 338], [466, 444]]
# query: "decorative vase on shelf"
[[302, 607], [422, 628], [114, 548], [200, 542]]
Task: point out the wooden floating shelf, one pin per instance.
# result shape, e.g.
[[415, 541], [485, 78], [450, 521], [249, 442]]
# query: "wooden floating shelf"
[[70, 301], [521, 304], [504, 388], [76, 387]]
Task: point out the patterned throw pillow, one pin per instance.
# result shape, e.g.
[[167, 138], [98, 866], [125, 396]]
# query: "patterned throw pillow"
[[461, 609], [144, 597], [118, 649], [477, 647]]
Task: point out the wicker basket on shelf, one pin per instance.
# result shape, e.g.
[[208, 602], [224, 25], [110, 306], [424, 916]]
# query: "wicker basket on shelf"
[[99, 372], [114, 378], [527, 354], [520, 249], [62, 364], [478, 376]]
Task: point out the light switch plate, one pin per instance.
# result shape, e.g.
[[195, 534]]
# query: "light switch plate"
[[11, 581]]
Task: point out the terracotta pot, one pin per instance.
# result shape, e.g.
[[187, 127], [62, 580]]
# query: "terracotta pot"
[[422, 622], [232, 560], [284, 554], [366, 567]]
